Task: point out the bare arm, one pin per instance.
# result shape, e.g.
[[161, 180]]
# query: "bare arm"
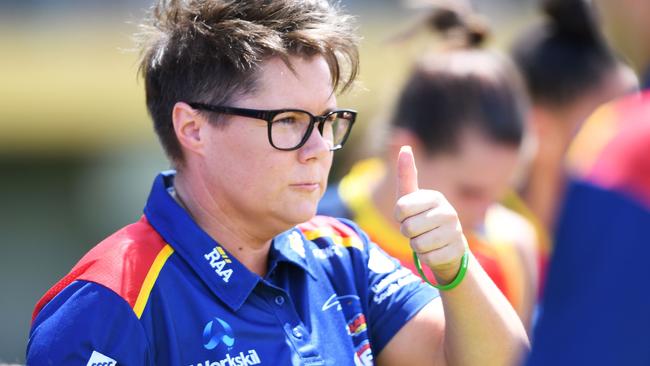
[[472, 324]]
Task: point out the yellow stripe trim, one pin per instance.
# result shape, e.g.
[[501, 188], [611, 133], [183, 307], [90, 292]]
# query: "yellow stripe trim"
[[149, 281], [326, 232], [355, 190]]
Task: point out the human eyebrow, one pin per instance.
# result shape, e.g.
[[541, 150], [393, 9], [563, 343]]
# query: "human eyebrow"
[[328, 111]]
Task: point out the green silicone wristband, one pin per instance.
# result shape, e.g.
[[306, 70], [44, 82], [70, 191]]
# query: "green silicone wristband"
[[450, 285]]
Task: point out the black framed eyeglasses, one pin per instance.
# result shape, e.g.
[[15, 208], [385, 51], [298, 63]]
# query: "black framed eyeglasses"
[[289, 129]]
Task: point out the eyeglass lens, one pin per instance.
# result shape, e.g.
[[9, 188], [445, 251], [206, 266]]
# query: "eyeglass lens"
[[289, 128]]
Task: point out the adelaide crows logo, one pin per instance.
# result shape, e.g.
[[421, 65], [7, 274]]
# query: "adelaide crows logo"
[[217, 331]]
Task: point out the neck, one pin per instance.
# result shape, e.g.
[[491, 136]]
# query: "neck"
[[542, 192], [226, 226]]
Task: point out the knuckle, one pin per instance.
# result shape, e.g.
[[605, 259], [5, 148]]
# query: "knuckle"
[[429, 242], [439, 196], [404, 231], [449, 216], [444, 236], [407, 228], [417, 245], [432, 213], [400, 202]]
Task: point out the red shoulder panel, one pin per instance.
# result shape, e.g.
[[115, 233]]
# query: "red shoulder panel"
[[120, 262], [624, 164]]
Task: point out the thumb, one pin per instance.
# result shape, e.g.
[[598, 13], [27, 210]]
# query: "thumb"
[[407, 173]]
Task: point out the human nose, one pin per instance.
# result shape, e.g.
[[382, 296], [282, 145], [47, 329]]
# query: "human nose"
[[316, 145]]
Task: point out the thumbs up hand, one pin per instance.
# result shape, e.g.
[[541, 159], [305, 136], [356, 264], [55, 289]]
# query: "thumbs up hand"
[[429, 221]]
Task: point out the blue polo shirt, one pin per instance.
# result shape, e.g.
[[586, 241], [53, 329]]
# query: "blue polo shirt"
[[162, 292]]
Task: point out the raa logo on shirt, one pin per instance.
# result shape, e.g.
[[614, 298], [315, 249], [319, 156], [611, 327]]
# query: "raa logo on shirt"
[[219, 260]]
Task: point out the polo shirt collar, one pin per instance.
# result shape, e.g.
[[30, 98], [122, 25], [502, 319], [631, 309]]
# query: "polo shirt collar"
[[291, 247], [226, 277]]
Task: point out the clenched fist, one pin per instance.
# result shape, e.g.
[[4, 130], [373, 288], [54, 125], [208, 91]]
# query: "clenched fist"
[[429, 221]]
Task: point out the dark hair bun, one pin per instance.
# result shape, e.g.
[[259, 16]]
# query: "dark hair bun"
[[572, 17], [458, 25], [444, 19], [478, 30]]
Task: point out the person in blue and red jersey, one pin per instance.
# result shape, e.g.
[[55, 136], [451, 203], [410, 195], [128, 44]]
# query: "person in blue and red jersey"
[[229, 264], [569, 71], [463, 109], [595, 310]]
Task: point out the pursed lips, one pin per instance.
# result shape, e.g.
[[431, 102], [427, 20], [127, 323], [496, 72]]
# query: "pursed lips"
[[307, 186]]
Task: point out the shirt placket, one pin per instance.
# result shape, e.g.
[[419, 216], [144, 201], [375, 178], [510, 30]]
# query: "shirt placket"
[[294, 329]]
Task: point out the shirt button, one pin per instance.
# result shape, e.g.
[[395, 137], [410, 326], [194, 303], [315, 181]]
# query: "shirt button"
[[279, 300], [296, 332]]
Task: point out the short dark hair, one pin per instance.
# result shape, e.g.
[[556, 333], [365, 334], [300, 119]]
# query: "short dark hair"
[[565, 56], [211, 51], [463, 86], [449, 92]]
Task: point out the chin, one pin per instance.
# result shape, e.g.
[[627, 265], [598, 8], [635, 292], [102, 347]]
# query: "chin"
[[302, 214]]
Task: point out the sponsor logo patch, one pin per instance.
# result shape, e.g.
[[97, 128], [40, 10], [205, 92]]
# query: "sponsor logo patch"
[[219, 260], [98, 359], [394, 287], [241, 359], [337, 300], [357, 325], [363, 355], [391, 278], [217, 331]]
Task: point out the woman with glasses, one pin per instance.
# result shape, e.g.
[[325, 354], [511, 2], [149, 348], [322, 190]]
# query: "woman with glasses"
[[228, 265], [463, 110]]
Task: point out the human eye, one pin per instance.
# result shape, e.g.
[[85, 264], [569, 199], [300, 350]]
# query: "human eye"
[[288, 118], [285, 120]]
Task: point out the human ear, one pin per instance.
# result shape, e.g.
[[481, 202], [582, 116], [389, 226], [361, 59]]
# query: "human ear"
[[187, 126]]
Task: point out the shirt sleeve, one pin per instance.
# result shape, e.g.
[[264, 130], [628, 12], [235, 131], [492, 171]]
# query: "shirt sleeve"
[[394, 293], [87, 324]]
